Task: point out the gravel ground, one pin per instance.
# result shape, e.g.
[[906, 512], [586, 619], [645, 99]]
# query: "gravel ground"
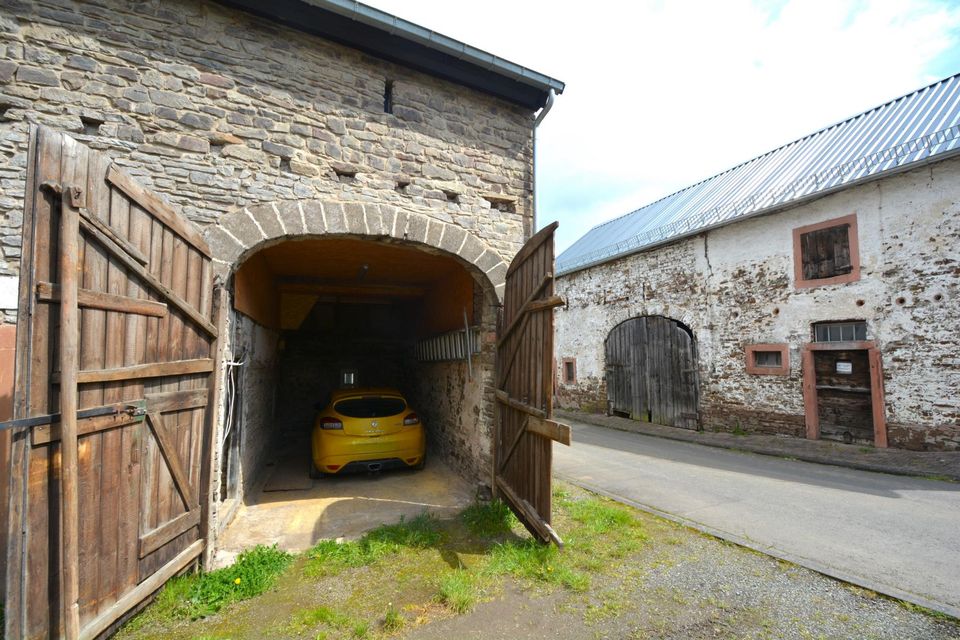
[[689, 586]]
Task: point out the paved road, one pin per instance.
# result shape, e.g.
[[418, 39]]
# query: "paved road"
[[893, 534]]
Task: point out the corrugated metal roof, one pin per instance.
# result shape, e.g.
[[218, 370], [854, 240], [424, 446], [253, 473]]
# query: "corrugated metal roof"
[[892, 137]]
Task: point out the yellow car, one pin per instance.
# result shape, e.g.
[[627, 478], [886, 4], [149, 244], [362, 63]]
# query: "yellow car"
[[367, 430]]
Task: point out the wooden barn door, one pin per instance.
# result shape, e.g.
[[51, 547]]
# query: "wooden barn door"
[[525, 430], [652, 372], [116, 347]]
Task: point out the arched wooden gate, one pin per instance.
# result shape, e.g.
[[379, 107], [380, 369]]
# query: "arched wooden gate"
[[651, 365]]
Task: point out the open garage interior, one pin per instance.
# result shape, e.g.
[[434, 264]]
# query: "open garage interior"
[[313, 315]]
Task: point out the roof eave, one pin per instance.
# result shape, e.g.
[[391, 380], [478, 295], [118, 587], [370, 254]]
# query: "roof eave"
[[386, 36]]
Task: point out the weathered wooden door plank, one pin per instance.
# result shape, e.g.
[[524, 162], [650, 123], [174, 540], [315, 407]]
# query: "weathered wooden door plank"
[[152, 370], [169, 294], [69, 367], [49, 292], [174, 464], [163, 534], [102, 622], [160, 209], [176, 400], [120, 350], [524, 390]]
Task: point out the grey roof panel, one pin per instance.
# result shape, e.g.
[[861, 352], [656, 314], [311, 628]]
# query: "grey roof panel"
[[911, 129]]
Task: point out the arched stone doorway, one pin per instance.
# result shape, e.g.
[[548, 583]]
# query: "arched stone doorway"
[[318, 289], [651, 369]]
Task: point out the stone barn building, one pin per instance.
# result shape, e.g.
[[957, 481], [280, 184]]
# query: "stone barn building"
[[810, 292], [356, 183]]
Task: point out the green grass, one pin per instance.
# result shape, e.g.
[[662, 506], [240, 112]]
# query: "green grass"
[[361, 629], [398, 576], [311, 618], [459, 590], [537, 562], [488, 520], [203, 594], [393, 620], [329, 557], [939, 478], [931, 613], [599, 516]]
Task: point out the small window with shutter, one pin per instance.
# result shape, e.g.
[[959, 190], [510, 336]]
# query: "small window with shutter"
[[826, 253]]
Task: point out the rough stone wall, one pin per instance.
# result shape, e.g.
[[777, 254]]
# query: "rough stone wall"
[[733, 286], [457, 410], [219, 111], [260, 436]]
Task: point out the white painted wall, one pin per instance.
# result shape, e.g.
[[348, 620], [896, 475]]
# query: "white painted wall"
[[735, 286]]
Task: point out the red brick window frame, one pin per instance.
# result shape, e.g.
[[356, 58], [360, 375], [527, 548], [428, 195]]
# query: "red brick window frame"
[[766, 357], [568, 370], [850, 222]]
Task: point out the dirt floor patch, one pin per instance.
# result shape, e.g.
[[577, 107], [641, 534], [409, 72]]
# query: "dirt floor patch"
[[624, 574], [339, 507]]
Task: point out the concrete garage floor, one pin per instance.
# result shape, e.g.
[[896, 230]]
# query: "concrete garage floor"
[[339, 507]]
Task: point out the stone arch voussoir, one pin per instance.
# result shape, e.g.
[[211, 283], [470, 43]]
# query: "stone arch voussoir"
[[240, 231]]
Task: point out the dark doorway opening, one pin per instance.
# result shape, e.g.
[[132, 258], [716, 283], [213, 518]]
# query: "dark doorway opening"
[[315, 314]]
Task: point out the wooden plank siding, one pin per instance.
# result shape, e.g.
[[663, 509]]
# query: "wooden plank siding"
[[146, 334], [523, 454]]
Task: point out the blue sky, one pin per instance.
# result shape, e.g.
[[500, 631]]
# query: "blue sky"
[[662, 94]]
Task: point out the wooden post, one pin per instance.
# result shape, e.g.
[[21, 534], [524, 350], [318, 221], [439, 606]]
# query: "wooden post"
[[811, 411], [212, 419], [69, 367]]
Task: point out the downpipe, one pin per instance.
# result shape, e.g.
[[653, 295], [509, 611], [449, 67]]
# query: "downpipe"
[[536, 123]]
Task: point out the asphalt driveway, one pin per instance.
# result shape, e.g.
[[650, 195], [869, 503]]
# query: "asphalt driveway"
[[893, 534]]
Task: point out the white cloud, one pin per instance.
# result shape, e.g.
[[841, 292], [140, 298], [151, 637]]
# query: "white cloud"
[[664, 94]]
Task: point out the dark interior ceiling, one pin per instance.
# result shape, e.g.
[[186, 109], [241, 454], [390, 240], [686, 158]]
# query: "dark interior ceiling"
[[353, 263]]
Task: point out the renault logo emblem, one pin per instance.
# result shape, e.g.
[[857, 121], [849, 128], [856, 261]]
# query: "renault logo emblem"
[[374, 423]]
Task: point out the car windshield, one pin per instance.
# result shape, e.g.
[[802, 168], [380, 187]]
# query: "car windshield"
[[370, 407]]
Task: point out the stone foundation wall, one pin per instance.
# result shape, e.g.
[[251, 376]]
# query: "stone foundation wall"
[[733, 286]]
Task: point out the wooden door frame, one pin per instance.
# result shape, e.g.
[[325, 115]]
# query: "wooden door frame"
[[811, 411]]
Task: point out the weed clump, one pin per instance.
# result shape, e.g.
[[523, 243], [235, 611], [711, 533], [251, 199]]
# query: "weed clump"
[[203, 594], [533, 560], [601, 516], [393, 620], [488, 520], [329, 557], [458, 590]]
